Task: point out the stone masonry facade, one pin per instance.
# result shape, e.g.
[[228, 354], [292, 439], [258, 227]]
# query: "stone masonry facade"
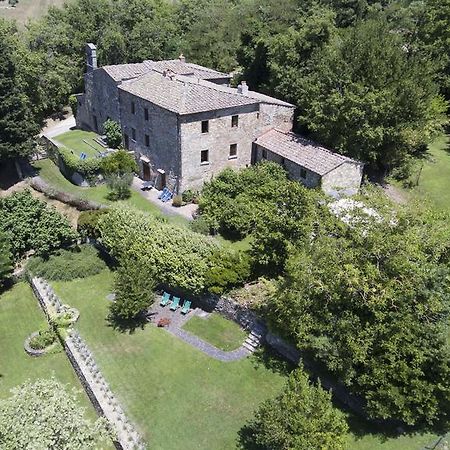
[[184, 123]]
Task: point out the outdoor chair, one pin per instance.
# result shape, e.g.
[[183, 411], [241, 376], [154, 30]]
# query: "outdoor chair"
[[165, 198], [175, 303], [186, 307], [165, 299], [162, 193]]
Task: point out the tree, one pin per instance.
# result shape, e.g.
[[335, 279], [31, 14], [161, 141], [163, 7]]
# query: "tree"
[[6, 265], [113, 133], [18, 126], [369, 300], [45, 414], [118, 169], [32, 225], [134, 284], [302, 417], [364, 94]]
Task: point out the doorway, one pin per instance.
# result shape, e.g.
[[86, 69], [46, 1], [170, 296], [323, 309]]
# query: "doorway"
[[146, 174], [126, 141], [95, 123]]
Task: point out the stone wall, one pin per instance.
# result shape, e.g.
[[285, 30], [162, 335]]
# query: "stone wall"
[[344, 180], [217, 141], [274, 116], [162, 129]]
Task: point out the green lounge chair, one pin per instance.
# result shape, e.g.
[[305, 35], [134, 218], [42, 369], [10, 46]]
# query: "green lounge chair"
[[186, 307], [175, 303], [165, 299]]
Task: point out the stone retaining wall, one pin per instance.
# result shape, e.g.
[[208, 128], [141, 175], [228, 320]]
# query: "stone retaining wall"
[[95, 385]]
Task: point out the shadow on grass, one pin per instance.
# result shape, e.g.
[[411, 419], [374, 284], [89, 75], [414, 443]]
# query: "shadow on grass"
[[127, 326], [270, 360], [246, 440]]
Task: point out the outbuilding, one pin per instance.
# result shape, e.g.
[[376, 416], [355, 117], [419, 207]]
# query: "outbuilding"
[[310, 163]]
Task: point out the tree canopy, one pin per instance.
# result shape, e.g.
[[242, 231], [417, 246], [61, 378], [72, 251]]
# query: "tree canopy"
[[48, 414]]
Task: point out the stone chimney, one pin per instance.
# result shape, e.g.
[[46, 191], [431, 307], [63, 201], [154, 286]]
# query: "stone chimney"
[[243, 88], [91, 57], [182, 58]]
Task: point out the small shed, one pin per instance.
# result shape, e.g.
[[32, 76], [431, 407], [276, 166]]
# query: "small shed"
[[310, 163]]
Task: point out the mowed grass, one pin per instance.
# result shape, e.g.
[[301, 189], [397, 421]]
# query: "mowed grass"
[[178, 396], [51, 174], [217, 330], [27, 9], [80, 141], [181, 398], [20, 315], [434, 178]]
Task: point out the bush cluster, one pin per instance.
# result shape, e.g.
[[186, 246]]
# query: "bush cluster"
[[190, 196], [87, 224], [43, 339], [67, 265]]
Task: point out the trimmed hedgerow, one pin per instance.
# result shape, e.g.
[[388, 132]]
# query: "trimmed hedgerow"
[[67, 265]]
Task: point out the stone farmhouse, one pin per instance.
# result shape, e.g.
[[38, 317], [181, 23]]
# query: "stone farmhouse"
[[185, 124]]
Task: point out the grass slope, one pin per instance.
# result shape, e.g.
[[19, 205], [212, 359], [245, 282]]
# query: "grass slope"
[[51, 174], [80, 141], [179, 397], [27, 9], [217, 330]]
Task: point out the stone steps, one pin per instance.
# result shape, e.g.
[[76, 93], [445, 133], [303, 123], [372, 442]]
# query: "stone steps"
[[253, 340]]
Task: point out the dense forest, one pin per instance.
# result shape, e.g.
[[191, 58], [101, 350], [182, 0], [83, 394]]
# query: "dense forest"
[[369, 79]]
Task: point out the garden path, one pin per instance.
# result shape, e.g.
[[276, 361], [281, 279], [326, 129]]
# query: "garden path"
[[177, 320]]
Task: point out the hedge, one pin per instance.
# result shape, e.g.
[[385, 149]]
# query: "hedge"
[[178, 257]]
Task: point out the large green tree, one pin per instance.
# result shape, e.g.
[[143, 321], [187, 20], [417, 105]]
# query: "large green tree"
[[370, 301], [44, 414], [302, 417], [364, 94], [6, 264], [17, 124]]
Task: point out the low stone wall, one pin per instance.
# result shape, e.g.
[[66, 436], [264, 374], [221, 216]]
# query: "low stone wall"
[[92, 380], [32, 351]]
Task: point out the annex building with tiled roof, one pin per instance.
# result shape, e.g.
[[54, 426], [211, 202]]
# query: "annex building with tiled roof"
[[185, 123]]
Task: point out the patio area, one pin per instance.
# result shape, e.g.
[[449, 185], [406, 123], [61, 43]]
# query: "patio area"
[[187, 211]]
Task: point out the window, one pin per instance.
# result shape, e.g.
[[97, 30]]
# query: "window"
[[146, 114], [147, 140], [133, 134], [257, 115], [303, 173], [264, 153], [233, 151], [204, 157], [133, 108], [234, 121], [205, 126], [282, 161]]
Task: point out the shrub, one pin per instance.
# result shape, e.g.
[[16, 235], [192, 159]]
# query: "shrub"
[[179, 257], [177, 201], [119, 186], [190, 196], [67, 265], [73, 103], [228, 269], [33, 225], [113, 133], [200, 225], [87, 224], [43, 339], [6, 265]]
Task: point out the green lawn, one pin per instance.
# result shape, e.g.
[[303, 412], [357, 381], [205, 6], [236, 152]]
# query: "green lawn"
[[179, 397], [51, 174], [434, 179], [80, 141], [217, 330], [27, 9], [20, 315]]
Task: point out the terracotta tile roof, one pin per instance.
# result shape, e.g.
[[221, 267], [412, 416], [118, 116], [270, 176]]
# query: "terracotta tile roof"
[[184, 94], [128, 71], [302, 151]]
